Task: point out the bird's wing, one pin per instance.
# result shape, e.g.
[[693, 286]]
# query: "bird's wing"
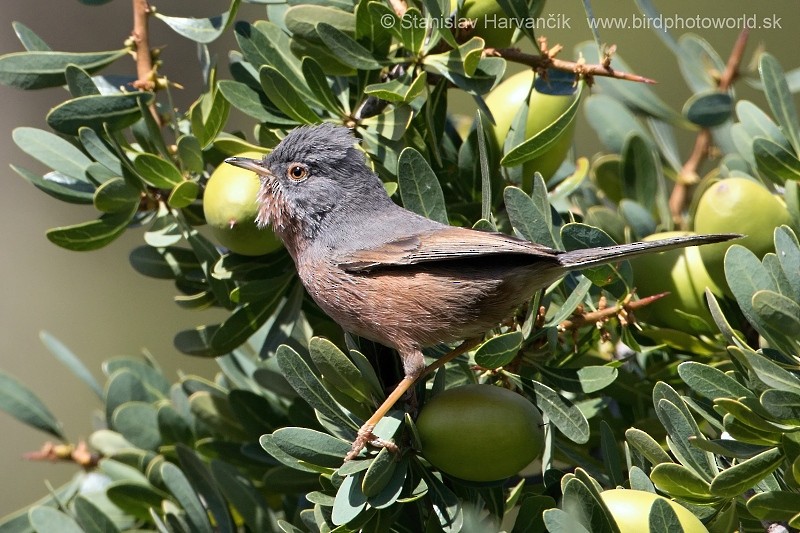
[[442, 244]]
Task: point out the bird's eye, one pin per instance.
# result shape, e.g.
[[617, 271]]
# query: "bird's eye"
[[297, 172]]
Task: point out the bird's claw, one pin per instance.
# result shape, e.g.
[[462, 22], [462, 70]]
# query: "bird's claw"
[[365, 436]]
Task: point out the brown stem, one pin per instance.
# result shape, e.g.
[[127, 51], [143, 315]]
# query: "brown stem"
[[144, 57], [399, 7], [601, 315], [702, 145], [548, 60]]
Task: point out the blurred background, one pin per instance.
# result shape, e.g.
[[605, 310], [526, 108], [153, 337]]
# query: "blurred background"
[[99, 307]]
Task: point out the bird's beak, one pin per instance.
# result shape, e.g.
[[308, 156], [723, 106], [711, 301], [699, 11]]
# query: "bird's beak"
[[255, 165]]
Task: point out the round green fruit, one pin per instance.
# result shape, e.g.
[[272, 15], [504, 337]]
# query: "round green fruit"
[[680, 272], [480, 432], [229, 206], [631, 511], [543, 110], [738, 205]]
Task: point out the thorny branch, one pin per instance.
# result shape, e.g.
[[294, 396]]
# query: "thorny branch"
[[144, 59], [702, 145]]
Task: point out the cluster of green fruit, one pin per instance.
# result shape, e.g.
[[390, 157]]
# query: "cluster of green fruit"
[[732, 205]]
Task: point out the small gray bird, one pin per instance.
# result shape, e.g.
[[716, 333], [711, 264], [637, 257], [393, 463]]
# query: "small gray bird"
[[395, 277]]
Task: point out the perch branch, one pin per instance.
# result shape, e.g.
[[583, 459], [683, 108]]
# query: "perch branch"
[[702, 145]]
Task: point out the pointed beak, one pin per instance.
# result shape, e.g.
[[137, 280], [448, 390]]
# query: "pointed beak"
[[255, 165]]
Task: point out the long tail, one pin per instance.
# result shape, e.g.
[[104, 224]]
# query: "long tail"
[[589, 257]]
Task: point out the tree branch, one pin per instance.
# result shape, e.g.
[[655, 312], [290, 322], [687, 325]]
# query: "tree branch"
[[144, 59], [547, 59], [702, 145]]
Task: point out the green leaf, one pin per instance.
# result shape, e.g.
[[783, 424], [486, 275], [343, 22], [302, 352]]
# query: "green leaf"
[[318, 84], [183, 194], [49, 520], [301, 19], [135, 498], [662, 518], [446, 504], [248, 318], [53, 151], [403, 89], [419, 186], [157, 171], [94, 234], [99, 150], [79, 82], [780, 98], [558, 521], [203, 30], [745, 276], [243, 496], [640, 170], [91, 517], [208, 116], [774, 505], [349, 501], [20, 402], [680, 482], [647, 446], [201, 480], [59, 186], [379, 474], [772, 374], [499, 350], [114, 111], [115, 196], [582, 501], [595, 378], [208, 256], [308, 386], [545, 139], [65, 356], [611, 121], [346, 49], [190, 154], [743, 476], [563, 414], [680, 426], [311, 446], [709, 109], [775, 162], [41, 69], [180, 487], [29, 39], [531, 216], [138, 423], [710, 382], [265, 43], [699, 62], [216, 413], [339, 370], [285, 97]]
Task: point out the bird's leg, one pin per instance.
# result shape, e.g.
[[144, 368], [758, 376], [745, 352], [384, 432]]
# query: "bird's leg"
[[414, 371]]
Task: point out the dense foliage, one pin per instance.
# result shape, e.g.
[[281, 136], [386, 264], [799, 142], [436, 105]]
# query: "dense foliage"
[[707, 414]]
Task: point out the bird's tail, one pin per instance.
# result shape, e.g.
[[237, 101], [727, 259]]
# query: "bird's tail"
[[589, 257]]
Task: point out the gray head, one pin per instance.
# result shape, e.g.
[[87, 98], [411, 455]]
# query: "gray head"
[[314, 173]]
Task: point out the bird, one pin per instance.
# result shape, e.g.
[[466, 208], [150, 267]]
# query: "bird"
[[395, 277]]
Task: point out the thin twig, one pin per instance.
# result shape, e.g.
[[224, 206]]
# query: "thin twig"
[[601, 315], [702, 145], [144, 59], [79, 454], [548, 60]]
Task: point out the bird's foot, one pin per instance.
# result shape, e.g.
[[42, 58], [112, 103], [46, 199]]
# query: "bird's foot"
[[365, 436]]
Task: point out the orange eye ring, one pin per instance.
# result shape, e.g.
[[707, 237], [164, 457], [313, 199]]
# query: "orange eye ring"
[[297, 172]]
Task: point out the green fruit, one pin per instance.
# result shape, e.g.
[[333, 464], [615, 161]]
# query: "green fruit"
[[543, 110], [229, 205], [631, 511], [491, 22], [480, 432], [738, 205], [680, 272]]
